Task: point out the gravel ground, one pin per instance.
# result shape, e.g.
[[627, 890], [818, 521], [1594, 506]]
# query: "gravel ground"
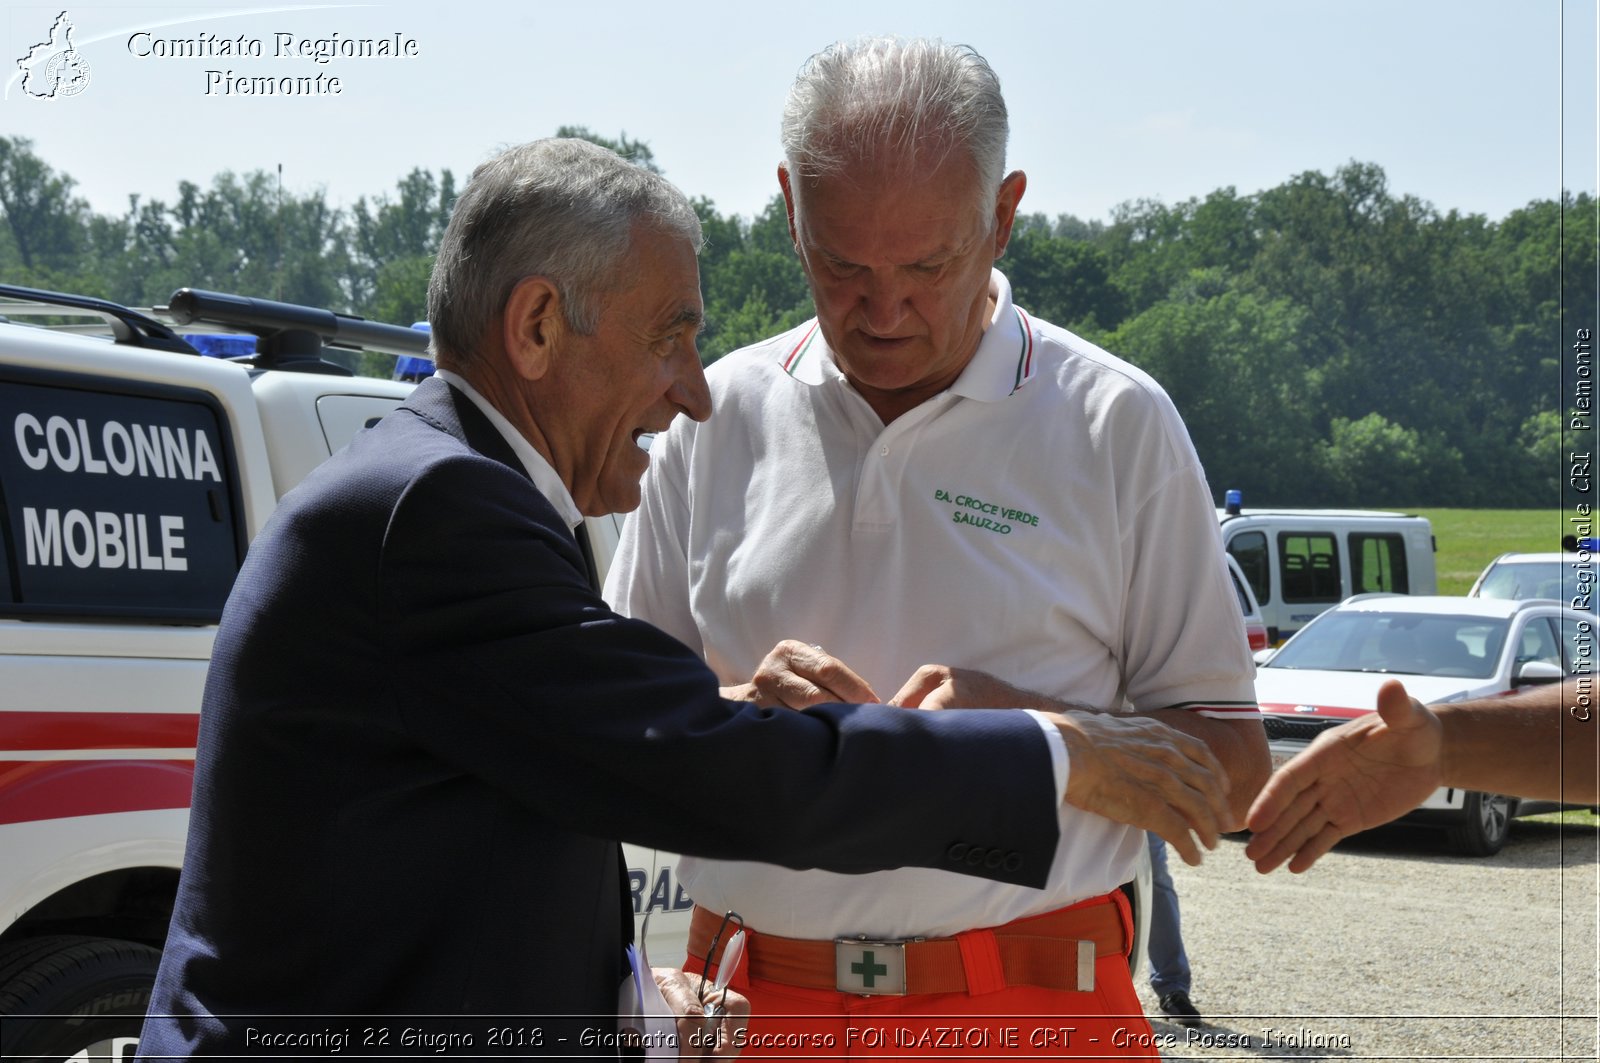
[[1393, 949]]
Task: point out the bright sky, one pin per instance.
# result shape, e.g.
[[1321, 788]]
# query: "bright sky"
[[1474, 105]]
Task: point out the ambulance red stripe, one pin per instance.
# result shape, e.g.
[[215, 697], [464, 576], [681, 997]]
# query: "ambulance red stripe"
[[32, 790], [25, 731]]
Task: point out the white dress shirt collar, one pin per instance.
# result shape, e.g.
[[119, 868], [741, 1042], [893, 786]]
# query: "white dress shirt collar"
[[543, 475]]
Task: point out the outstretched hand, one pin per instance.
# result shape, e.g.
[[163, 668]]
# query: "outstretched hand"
[[1354, 777]]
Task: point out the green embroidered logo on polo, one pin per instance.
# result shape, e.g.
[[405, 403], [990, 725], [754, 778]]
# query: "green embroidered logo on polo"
[[983, 514]]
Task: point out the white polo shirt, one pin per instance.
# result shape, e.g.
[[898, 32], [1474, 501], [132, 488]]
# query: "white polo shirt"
[[1045, 520]]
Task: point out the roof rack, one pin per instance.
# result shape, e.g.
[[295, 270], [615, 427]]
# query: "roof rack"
[[288, 336], [291, 336], [127, 326]]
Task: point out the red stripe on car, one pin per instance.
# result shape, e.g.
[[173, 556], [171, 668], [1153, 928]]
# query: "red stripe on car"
[[1289, 708]]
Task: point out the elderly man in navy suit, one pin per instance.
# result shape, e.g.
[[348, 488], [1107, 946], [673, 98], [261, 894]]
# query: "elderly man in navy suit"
[[423, 730]]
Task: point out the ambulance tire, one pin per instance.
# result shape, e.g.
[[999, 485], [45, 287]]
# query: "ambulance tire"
[[81, 998]]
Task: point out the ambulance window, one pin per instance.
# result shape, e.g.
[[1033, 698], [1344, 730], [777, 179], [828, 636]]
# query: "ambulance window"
[[1250, 550], [1378, 563], [1310, 566], [118, 498]]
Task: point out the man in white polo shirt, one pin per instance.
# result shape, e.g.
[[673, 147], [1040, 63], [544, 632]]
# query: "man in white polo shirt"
[[928, 473]]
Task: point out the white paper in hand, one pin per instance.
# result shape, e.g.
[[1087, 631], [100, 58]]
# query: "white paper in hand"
[[643, 1017]]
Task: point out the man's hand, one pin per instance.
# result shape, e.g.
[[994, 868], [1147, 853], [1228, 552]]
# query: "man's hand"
[[796, 675], [938, 686], [1356, 776], [1222, 750], [699, 1037], [1139, 771]]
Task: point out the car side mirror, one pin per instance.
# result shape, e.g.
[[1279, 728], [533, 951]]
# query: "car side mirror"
[[1535, 673], [1263, 656]]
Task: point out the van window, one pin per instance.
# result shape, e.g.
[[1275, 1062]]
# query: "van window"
[[1378, 563], [1309, 564], [1250, 550], [117, 500]]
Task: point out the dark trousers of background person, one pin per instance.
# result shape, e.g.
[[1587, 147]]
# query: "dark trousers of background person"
[[1169, 963]]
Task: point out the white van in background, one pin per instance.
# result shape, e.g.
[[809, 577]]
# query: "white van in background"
[[1300, 562]]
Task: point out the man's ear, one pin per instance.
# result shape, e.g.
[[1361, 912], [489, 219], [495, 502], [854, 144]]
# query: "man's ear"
[[532, 327], [1005, 208], [788, 201]]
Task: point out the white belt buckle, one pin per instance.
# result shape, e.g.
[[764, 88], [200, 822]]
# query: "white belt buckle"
[[870, 968]]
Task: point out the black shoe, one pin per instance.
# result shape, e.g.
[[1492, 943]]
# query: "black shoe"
[[1177, 1006]]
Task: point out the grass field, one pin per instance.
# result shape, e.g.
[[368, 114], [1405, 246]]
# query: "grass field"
[[1469, 539]]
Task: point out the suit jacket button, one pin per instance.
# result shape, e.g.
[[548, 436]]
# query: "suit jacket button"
[[975, 855], [1013, 861], [957, 851], [994, 859]]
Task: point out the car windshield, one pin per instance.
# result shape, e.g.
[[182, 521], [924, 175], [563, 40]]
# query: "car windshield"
[[1522, 579], [1405, 643]]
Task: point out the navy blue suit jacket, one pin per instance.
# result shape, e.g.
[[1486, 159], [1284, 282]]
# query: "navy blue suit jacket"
[[423, 734]]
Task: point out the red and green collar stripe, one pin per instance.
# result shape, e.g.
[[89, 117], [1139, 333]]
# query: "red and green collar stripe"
[[792, 361], [1025, 355]]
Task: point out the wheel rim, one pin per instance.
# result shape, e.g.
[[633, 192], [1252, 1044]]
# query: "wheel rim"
[[1494, 813]]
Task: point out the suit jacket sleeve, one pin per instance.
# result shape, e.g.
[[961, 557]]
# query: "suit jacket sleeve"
[[615, 728]]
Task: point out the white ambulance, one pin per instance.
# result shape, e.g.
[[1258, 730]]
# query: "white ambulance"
[[133, 474]]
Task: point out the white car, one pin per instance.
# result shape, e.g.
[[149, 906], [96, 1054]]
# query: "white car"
[[1521, 576], [1444, 649]]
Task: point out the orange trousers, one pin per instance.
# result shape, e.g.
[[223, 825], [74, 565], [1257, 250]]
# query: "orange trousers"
[[1106, 1023]]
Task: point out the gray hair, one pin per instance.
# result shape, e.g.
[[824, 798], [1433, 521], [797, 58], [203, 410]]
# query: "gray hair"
[[911, 100], [557, 208]]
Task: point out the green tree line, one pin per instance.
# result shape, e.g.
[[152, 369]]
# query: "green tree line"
[[1328, 341]]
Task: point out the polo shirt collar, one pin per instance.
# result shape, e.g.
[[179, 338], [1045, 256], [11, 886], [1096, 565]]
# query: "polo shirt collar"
[[1003, 362]]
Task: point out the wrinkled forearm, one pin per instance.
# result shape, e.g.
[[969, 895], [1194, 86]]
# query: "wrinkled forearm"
[[1241, 747]]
